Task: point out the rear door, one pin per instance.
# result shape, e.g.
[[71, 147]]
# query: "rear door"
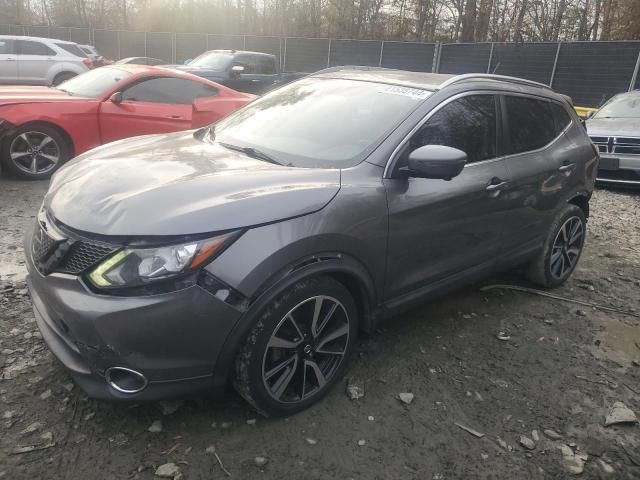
[[264, 76], [34, 60], [437, 228], [540, 167], [8, 61], [156, 105]]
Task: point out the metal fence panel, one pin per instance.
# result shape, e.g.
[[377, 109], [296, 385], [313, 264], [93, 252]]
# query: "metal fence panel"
[[189, 46], [269, 45], [460, 58], [107, 43], [533, 61], [59, 33], [416, 57], [305, 54], [81, 36], [38, 31], [592, 72], [225, 42], [160, 45], [355, 52], [131, 44]]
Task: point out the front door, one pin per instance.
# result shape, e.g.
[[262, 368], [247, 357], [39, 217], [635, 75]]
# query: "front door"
[[34, 61], [156, 105], [8, 62], [440, 228]]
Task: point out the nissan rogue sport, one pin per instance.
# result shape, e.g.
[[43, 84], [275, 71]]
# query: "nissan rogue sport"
[[255, 251]]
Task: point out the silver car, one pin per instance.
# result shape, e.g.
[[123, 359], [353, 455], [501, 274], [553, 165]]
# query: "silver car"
[[40, 61], [615, 130]]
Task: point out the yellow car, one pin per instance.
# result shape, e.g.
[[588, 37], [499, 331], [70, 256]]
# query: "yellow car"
[[583, 112]]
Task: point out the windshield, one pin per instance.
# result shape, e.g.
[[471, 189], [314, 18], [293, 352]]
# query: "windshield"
[[216, 61], [94, 83], [625, 106], [315, 122]]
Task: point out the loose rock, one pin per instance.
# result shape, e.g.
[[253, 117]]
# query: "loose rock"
[[156, 426], [311, 441], [32, 428], [406, 397], [527, 443], [261, 461], [552, 434], [168, 470], [535, 436], [171, 406], [355, 389], [362, 443], [251, 421], [572, 462], [620, 413], [606, 468]]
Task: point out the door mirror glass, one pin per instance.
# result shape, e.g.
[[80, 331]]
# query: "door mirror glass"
[[436, 161], [237, 69], [116, 98]]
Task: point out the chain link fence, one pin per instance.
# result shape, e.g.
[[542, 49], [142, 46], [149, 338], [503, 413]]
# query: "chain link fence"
[[589, 72]]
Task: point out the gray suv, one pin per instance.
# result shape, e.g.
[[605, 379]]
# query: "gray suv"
[[40, 61], [257, 250]]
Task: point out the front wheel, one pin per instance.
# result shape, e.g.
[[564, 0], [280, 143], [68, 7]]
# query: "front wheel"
[[35, 151], [298, 348], [562, 248]]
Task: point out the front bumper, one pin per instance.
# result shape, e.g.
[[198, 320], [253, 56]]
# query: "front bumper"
[[619, 169], [173, 339]]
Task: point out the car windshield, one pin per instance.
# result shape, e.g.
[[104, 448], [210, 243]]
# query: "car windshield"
[[216, 61], [315, 122], [94, 83], [625, 106]]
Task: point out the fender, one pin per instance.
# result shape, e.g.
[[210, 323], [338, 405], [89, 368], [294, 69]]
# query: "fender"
[[317, 265]]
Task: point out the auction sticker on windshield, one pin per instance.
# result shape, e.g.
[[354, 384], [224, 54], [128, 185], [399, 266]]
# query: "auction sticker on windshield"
[[405, 91]]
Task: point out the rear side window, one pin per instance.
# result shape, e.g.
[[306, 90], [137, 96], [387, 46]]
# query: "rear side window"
[[266, 66], [6, 47], [468, 124], [530, 124], [168, 90], [28, 47], [561, 117], [249, 63], [72, 49]]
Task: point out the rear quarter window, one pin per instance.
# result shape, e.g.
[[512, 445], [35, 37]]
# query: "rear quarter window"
[[72, 49], [560, 116]]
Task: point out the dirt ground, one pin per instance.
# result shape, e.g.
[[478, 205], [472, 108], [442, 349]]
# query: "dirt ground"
[[562, 368]]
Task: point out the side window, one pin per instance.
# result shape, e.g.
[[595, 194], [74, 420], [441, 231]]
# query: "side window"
[[560, 116], [468, 124], [7, 47], [530, 124], [168, 90], [248, 62], [72, 49], [266, 66], [28, 47]]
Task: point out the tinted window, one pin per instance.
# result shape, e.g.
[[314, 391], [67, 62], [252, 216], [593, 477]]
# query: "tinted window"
[[266, 65], [6, 47], [316, 122], [248, 62], [468, 124], [216, 61], [72, 49], [530, 124], [27, 47], [168, 90], [560, 116]]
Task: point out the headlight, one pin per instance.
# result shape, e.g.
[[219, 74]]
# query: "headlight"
[[134, 267]]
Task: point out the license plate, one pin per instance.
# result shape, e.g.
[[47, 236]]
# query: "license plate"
[[609, 163]]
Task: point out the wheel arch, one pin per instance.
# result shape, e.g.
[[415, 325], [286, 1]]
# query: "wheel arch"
[[58, 128], [343, 268], [582, 201]]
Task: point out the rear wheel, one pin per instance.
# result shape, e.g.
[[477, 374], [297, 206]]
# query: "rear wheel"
[[562, 248], [298, 348], [62, 77], [35, 151]]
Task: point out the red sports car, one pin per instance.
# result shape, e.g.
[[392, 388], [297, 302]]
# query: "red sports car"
[[42, 127]]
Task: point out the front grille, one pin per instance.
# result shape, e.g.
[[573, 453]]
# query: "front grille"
[[617, 145], [70, 253], [83, 255], [619, 175]]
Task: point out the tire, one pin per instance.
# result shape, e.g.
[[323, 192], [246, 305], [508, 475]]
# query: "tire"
[[30, 139], [280, 379], [62, 77], [557, 261]]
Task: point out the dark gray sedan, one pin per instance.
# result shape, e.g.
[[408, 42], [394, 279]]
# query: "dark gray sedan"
[[257, 250]]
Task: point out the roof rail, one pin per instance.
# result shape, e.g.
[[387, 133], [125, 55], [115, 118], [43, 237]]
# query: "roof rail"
[[488, 76]]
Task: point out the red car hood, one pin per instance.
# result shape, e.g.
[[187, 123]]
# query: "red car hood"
[[19, 94]]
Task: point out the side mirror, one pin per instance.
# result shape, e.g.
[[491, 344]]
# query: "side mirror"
[[116, 98], [436, 161], [590, 114], [237, 70]]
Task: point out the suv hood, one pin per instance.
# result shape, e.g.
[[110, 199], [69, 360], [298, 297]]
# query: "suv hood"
[[610, 127], [176, 185]]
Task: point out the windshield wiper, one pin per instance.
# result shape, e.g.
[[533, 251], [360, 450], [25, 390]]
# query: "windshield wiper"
[[251, 152]]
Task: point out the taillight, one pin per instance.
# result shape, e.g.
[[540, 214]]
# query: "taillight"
[[88, 63]]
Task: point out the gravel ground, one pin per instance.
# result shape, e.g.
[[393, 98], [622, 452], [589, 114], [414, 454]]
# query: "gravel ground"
[[559, 367]]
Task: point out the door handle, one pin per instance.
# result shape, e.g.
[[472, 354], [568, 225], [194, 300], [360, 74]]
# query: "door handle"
[[497, 187], [567, 167], [255, 80]]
